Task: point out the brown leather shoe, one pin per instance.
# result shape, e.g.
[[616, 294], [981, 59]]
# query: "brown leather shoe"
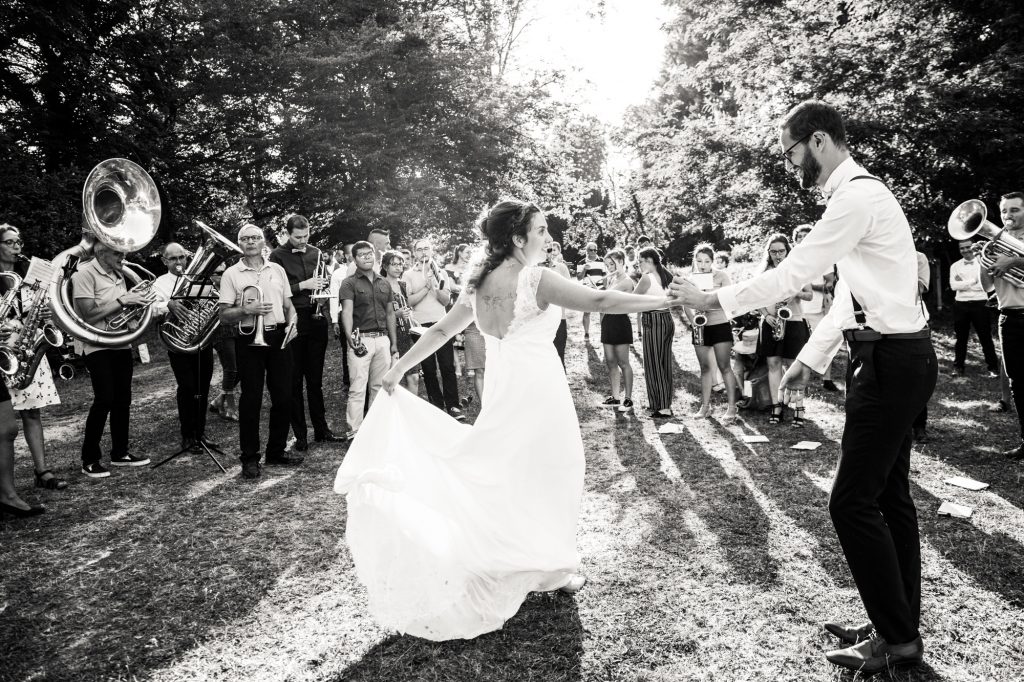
[[850, 635], [875, 655]]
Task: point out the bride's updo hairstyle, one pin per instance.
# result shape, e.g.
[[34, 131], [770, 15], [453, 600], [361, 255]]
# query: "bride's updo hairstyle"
[[498, 225]]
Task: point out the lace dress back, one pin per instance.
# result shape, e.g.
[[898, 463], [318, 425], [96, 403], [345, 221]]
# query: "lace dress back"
[[451, 526]]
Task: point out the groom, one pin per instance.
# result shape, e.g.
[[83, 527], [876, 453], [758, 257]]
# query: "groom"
[[891, 376]]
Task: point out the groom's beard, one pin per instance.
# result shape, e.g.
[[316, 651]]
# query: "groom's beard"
[[810, 169]]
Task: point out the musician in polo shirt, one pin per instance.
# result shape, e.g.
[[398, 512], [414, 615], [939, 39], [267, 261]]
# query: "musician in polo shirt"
[[270, 364], [892, 375], [366, 306], [1010, 298]]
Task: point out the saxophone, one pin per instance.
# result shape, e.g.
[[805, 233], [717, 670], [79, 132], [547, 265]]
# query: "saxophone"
[[8, 360], [778, 321], [29, 344]]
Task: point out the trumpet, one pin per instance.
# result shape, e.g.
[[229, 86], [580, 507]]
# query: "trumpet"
[[256, 326], [322, 294], [134, 313], [968, 220]]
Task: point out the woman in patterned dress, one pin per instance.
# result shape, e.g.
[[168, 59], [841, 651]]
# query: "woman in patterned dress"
[[41, 392]]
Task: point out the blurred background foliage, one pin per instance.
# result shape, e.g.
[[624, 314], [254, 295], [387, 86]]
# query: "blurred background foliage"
[[400, 114]]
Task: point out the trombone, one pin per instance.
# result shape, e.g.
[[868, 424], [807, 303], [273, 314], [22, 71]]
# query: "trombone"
[[256, 326]]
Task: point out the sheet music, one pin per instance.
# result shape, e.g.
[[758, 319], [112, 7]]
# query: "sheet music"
[[39, 270]]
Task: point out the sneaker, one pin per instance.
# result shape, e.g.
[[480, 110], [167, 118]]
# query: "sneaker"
[[95, 470], [999, 406], [129, 460], [626, 406], [457, 413], [610, 402]]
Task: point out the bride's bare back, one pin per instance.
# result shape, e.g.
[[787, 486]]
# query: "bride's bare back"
[[496, 299]]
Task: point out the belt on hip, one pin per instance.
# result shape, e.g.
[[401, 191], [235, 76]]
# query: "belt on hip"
[[372, 333], [868, 334], [1012, 312]]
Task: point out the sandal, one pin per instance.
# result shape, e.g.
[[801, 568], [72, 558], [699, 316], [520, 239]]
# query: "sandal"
[[776, 415], [51, 483], [798, 416]]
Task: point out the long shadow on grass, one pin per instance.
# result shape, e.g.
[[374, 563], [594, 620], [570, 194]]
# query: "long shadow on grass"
[[722, 504], [995, 561], [543, 641], [134, 593], [785, 476]]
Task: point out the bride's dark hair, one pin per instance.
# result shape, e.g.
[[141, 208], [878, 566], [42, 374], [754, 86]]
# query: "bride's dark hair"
[[504, 220]]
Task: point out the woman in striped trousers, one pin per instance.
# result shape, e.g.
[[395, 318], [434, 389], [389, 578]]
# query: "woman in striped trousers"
[[658, 332]]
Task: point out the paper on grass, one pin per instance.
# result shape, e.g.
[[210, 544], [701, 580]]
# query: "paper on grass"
[[956, 510], [964, 482], [670, 428], [754, 438], [806, 445]]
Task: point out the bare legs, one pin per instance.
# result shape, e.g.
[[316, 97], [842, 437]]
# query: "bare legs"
[[710, 358], [8, 432], [616, 359]]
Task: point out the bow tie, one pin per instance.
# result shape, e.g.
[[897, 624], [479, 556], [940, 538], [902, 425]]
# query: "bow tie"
[[302, 250]]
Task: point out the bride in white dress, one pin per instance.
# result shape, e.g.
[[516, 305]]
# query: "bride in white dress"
[[451, 525]]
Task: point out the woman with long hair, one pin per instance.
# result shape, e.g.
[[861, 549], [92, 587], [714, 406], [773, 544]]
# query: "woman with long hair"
[[783, 332], [472, 340], [713, 342], [451, 526], [617, 335], [658, 330], [392, 265]]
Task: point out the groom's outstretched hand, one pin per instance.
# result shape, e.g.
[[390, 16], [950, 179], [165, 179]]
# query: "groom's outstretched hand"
[[794, 383], [684, 292]]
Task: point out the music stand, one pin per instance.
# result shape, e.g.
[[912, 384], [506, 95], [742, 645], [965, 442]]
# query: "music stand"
[[199, 288]]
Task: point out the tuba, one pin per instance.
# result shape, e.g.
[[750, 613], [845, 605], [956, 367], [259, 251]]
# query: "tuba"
[[192, 333], [969, 219], [121, 210]]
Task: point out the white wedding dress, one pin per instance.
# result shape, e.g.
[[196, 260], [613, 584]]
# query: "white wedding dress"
[[450, 525]]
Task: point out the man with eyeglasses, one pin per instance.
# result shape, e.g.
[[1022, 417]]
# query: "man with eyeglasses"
[[891, 377], [430, 294], [269, 364], [591, 273], [192, 371]]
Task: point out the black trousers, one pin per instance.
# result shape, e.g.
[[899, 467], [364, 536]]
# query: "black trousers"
[[225, 348], [111, 374], [1011, 339], [888, 384], [308, 352], [193, 372], [446, 393], [561, 336], [273, 366], [967, 314]]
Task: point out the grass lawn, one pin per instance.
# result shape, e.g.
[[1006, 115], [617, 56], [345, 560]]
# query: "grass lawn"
[[707, 558]]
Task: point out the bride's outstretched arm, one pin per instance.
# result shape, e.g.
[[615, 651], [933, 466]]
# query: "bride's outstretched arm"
[[569, 294], [457, 319]]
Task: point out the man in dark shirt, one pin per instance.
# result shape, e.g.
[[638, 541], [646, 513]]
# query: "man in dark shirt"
[[368, 321], [299, 260]]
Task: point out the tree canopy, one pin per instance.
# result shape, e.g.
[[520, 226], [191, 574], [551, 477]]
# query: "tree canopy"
[[355, 113], [931, 91]]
